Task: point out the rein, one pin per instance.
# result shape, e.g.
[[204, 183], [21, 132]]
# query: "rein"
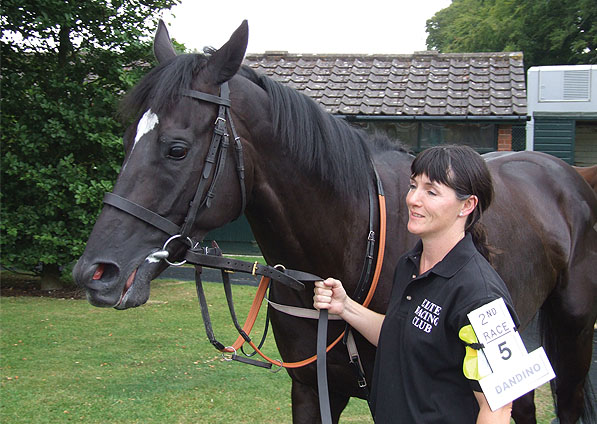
[[214, 163]]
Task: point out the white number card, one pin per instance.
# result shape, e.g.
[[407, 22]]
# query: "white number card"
[[514, 372]]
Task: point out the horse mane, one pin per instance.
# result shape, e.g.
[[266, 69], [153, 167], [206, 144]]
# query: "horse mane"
[[320, 143], [328, 146]]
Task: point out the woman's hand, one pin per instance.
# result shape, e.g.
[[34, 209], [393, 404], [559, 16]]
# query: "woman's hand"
[[330, 295]]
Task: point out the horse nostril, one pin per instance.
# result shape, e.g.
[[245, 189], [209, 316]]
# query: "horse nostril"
[[99, 271], [105, 272]]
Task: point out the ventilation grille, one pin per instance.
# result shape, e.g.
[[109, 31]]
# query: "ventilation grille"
[[565, 85], [577, 85]]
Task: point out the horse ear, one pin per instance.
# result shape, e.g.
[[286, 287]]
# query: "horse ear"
[[162, 46], [225, 62]]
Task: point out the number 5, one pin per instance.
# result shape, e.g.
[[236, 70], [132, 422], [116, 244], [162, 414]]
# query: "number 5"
[[506, 353]]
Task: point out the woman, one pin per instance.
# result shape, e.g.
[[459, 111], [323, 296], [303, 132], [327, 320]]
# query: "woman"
[[419, 374]]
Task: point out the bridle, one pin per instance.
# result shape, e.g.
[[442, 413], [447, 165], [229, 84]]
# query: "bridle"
[[214, 163]]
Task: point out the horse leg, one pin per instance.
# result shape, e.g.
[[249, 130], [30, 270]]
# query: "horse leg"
[[569, 318], [523, 409], [305, 404]]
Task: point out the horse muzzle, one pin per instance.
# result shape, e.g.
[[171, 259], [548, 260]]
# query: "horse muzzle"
[[107, 285]]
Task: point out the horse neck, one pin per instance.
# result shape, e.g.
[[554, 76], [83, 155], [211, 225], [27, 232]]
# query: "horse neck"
[[298, 220], [301, 224]]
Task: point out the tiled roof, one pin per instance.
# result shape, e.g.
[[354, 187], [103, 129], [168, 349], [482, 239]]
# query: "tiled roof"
[[423, 83]]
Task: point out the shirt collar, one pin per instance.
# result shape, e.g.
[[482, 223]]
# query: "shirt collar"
[[455, 259]]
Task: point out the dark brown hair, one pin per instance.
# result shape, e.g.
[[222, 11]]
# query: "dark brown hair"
[[462, 169]]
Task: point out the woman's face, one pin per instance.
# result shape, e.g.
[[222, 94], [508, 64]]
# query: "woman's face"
[[433, 208]]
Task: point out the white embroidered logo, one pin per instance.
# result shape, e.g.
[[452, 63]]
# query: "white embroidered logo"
[[427, 316]]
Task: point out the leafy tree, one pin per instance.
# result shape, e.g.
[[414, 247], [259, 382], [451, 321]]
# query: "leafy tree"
[[548, 32], [65, 64]]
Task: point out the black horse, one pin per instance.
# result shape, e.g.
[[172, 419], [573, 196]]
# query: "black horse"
[[306, 177]]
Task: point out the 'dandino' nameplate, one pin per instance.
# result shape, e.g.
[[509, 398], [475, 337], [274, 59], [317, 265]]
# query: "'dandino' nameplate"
[[514, 371]]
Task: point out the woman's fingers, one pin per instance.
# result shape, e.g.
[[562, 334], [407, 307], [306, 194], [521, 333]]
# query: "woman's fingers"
[[324, 293], [332, 283], [322, 300], [322, 296], [328, 282]]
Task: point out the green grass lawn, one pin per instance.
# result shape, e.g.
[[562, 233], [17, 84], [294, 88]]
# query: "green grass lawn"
[[67, 361]]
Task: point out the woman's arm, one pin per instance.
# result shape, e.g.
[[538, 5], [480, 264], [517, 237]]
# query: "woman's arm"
[[487, 416], [330, 295]]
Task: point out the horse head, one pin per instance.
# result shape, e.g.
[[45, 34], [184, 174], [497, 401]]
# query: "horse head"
[[174, 184]]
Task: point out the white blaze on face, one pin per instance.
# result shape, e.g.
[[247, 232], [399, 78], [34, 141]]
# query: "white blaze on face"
[[147, 123]]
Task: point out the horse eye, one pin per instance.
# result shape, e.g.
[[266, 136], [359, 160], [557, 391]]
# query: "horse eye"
[[178, 151]]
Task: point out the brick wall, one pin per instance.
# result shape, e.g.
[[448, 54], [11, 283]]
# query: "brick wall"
[[504, 142]]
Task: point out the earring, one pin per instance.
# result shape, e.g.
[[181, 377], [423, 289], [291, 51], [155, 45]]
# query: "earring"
[[460, 214]]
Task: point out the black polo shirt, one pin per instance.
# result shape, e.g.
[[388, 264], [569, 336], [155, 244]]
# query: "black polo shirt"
[[418, 375]]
